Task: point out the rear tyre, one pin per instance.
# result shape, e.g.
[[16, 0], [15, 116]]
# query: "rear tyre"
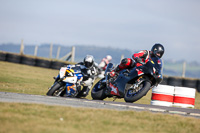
[[98, 91], [138, 95], [55, 89]]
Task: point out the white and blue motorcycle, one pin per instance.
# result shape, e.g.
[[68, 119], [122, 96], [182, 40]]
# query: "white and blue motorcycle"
[[68, 83]]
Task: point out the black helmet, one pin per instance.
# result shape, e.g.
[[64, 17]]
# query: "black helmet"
[[158, 50], [88, 61]]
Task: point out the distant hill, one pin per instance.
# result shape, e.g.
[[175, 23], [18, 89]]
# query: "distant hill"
[[171, 68]]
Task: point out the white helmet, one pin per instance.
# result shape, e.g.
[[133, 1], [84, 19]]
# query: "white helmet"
[[88, 61], [109, 58]]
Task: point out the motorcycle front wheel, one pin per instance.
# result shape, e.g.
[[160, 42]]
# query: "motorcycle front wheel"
[[56, 90], [131, 96], [98, 91]]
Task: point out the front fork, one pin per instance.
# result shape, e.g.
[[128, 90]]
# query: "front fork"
[[136, 86], [138, 82], [57, 78]]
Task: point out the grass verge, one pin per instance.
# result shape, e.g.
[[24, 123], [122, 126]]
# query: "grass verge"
[[37, 118]]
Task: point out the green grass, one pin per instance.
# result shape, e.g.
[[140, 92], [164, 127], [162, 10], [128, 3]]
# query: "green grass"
[[39, 118], [36, 118], [25, 79]]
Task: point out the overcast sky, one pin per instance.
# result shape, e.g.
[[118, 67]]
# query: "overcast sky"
[[126, 24]]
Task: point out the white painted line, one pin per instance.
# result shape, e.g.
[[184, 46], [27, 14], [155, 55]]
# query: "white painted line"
[[120, 105], [177, 112], [157, 110], [94, 102], [51, 97], [69, 99], [136, 107], [194, 114]]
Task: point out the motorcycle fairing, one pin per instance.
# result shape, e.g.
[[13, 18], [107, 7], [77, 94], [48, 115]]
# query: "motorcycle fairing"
[[139, 72], [122, 80], [62, 71], [114, 90], [71, 74], [70, 89], [127, 77], [70, 80], [79, 76]]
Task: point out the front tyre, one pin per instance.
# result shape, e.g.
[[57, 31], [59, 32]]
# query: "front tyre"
[[131, 96], [98, 91], [56, 90]]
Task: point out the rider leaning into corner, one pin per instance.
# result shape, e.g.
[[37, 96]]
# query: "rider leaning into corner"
[[140, 58], [88, 70]]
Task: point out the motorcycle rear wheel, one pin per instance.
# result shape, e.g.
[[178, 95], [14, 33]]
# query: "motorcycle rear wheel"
[[54, 90], [138, 95]]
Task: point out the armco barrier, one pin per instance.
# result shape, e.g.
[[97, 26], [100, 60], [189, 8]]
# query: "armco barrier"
[[165, 95]]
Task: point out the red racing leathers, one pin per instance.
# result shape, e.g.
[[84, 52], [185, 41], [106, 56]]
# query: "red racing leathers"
[[103, 64], [138, 60]]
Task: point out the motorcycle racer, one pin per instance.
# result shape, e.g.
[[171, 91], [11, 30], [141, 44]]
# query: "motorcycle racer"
[[102, 66], [104, 62], [140, 58], [89, 73]]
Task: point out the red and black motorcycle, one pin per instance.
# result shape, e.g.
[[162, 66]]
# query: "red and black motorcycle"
[[131, 84]]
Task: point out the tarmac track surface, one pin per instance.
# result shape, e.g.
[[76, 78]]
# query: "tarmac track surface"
[[75, 102]]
